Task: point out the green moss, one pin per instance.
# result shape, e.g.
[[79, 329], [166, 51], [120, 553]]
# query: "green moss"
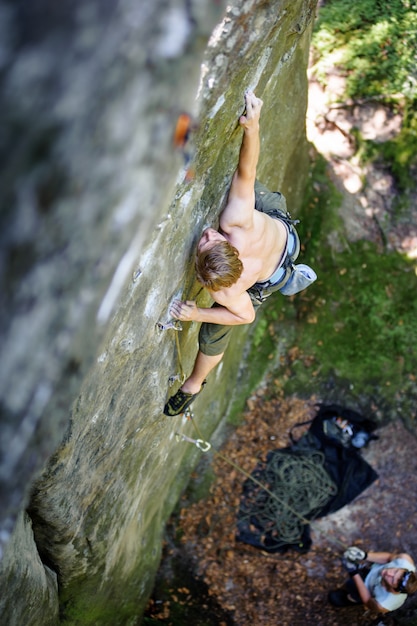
[[359, 33], [355, 329], [86, 606], [319, 215], [363, 322]]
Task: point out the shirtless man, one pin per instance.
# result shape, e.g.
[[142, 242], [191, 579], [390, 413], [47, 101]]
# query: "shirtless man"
[[247, 251]]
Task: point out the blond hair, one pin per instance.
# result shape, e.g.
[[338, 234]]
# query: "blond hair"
[[218, 267]]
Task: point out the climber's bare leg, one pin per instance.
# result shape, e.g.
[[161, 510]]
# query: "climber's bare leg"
[[203, 365], [180, 401]]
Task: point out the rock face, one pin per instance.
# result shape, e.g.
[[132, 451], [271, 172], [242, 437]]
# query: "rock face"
[[100, 219], [23, 570]]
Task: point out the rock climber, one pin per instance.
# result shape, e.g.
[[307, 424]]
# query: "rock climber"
[[240, 264], [379, 580]]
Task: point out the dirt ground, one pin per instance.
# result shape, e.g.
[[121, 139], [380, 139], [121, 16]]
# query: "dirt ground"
[[253, 587], [241, 585]]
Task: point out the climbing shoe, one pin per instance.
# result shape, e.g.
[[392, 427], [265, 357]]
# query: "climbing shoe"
[[340, 597], [180, 401]]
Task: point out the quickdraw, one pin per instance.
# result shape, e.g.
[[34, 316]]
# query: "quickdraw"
[[202, 445], [172, 324]]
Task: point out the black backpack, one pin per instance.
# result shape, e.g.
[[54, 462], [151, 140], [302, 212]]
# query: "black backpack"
[[341, 425]]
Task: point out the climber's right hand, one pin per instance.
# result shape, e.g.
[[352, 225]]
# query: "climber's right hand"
[[252, 114], [184, 311], [354, 554]]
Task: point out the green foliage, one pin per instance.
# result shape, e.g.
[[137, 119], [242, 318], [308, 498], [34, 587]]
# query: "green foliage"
[[364, 321], [321, 200], [259, 333], [374, 41], [374, 44], [357, 324]]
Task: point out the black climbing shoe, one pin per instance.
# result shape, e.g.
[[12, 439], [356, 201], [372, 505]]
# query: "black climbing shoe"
[[179, 402], [340, 597]]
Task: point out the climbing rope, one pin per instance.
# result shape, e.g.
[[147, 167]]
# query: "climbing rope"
[[174, 325], [182, 373], [311, 488], [300, 482]]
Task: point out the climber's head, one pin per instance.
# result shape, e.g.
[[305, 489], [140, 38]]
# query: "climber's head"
[[217, 261]]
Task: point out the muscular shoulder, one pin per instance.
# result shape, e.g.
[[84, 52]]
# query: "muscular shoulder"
[[237, 301], [238, 212], [222, 296]]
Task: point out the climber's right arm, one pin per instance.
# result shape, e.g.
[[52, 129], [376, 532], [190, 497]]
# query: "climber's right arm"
[[241, 201], [232, 311]]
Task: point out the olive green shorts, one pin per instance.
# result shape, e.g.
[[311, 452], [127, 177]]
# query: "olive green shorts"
[[213, 339]]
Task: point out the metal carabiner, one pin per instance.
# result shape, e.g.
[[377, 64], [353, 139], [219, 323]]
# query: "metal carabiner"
[[200, 443], [172, 324]]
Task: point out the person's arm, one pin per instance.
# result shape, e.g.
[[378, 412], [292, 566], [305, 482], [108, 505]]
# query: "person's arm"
[[241, 201], [386, 557], [365, 596], [381, 558], [232, 311]]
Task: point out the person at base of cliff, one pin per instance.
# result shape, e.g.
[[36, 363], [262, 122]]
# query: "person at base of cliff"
[[241, 263], [379, 580]]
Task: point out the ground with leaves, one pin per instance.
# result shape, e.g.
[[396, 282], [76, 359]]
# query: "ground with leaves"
[[253, 587]]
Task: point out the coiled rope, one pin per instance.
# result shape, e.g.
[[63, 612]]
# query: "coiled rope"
[[291, 489], [300, 486], [295, 487]]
